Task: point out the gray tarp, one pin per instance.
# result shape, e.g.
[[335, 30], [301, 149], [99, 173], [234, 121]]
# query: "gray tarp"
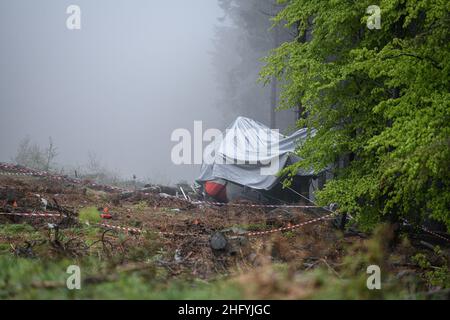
[[247, 147]]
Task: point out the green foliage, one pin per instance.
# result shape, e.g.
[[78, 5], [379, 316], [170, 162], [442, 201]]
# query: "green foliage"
[[24, 231], [115, 277], [29, 279], [89, 214], [352, 281], [140, 206], [379, 98], [5, 248], [434, 275], [15, 229], [147, 249]]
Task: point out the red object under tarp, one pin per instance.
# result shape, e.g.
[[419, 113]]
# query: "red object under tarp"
[[216, 190]]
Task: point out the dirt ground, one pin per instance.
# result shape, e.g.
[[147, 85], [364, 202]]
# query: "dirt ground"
[[190, 226], [181, 230]]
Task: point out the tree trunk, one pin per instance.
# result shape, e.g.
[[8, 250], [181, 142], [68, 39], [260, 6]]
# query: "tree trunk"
[[273, 92]]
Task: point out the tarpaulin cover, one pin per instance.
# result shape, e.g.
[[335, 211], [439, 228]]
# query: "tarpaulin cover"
[[251, 154]]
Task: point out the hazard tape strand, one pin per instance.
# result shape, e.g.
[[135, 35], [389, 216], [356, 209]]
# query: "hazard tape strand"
[[167, 233], [140, 231], [103, 225], [44, 174], [208, 203], [249, 205], [26, 172], [435, 234], [291, 227], [31, 172], [33, 214]]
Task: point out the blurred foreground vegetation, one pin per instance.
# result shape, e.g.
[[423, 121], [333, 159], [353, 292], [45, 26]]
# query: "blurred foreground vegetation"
[[407, 273]]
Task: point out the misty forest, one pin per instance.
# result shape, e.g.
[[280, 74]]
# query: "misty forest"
[[108, 112]]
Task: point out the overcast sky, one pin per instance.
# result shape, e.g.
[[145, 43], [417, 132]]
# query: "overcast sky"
[[137, 70]]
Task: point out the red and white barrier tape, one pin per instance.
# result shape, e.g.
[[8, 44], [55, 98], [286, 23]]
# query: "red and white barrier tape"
[[44, 174], [295, 226], [57, 215], [429, 231], [167, 233], [250, 234], [30, 172], [33, 214], [435, 234], [140, 231], [249, 205]]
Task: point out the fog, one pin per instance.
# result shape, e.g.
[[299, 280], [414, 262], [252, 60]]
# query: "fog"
[[116, 88]]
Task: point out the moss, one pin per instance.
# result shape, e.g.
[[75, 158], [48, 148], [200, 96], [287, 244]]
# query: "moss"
[[140, 206], [14, 229], [5, 248], [89, 214]]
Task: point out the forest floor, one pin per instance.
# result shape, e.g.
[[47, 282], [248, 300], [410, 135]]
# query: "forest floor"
[[167, 253]]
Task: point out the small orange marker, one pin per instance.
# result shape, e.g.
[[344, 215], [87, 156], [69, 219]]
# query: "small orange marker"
[[105, 210]]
